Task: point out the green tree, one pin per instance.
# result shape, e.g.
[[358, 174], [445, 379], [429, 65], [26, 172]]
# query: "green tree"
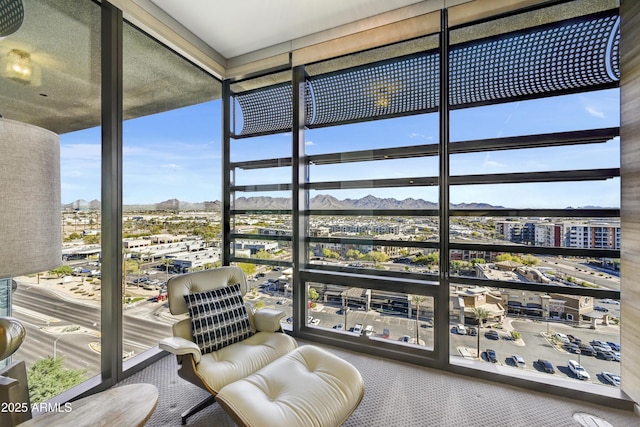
[[328, 253], [48, 378], [354, 254], [417, 300], [262, 254], [313, 294], [92, 239], [248, 269], [377, 257], [504, 257], [481, 314], [63, 270]]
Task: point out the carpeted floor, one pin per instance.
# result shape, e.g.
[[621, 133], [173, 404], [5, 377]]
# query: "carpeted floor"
[[398, 394]]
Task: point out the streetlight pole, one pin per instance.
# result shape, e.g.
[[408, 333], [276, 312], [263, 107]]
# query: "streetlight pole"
[[55, 342]]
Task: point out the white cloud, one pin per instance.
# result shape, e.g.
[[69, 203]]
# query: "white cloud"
[[491, 164], [309, 143], [595, 113]]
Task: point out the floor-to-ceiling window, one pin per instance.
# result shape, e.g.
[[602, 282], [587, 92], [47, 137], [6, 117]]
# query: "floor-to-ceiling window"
[[534, 240], [482, 232], [50, 78], [171, 178]]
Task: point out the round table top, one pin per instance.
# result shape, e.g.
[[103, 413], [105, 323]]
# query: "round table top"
[[127, 405]]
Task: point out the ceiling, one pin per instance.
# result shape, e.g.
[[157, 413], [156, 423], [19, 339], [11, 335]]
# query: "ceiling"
[[243, 26]]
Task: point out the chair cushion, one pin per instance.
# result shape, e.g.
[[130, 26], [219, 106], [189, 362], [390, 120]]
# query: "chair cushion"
[[242, 359], [309, 387], [218, 318]]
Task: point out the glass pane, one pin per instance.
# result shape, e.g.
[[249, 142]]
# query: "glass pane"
[[58, 88], [547, 195], [171, 178], [538, 333], [369, 198], [393, 317], [397, 132]]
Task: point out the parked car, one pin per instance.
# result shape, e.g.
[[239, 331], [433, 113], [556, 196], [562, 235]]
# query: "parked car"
[[610, 301], [616, 356], [561, 337], [587, 349], [339, 327], [546, 366], [315, 321], [605, 355], [368, 330], [492, 335], [578, 370], [611, 378], [601, 344], [614, 345], [518, 361], [491, 356], [572, 348], [601, 308], [357, 329], [575, 340], [385, 333], [461, 329], [406, 338]]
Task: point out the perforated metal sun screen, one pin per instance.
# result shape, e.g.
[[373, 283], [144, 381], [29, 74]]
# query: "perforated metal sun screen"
[[266, 110], [11, 16], [386, 89], [570, 56]]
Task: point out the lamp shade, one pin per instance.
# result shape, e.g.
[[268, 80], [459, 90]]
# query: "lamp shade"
[[30, 210]]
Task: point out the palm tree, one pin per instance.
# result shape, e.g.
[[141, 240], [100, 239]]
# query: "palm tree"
[[481, 314], [416, 300]]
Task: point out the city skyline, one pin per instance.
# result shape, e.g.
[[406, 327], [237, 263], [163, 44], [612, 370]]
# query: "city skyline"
[[177, 155]]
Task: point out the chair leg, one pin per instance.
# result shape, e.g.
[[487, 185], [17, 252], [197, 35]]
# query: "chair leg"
[[200, 406]]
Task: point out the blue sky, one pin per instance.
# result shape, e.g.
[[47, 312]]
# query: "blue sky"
[[177, 154]]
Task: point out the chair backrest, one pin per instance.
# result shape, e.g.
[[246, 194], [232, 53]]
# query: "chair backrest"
[[200, 281]]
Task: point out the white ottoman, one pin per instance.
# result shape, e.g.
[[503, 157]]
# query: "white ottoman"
[[306, 387]]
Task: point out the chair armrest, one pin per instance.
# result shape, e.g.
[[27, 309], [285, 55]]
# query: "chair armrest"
[[180, 346], [268, 319]]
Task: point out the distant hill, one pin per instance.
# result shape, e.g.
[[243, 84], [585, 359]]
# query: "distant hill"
[[321, 201]]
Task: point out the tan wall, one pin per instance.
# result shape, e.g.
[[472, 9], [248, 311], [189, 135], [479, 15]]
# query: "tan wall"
[[630, 197]]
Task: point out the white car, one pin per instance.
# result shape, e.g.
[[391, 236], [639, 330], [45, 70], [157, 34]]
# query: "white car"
[[357, 329], [368, 330], [315, 321], [562, 337], [518, 361], [461, 329], [612, 379], [578, 370]]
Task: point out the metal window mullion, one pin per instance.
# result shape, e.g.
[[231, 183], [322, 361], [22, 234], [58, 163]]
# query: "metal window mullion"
[[226, 172], [299, 196], [441, 340], [111, 177]]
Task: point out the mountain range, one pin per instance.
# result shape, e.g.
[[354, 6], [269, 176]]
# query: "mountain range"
[[320, 201]]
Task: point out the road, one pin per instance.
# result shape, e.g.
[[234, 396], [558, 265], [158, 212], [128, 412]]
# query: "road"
[[44, 314], [580, 270]]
